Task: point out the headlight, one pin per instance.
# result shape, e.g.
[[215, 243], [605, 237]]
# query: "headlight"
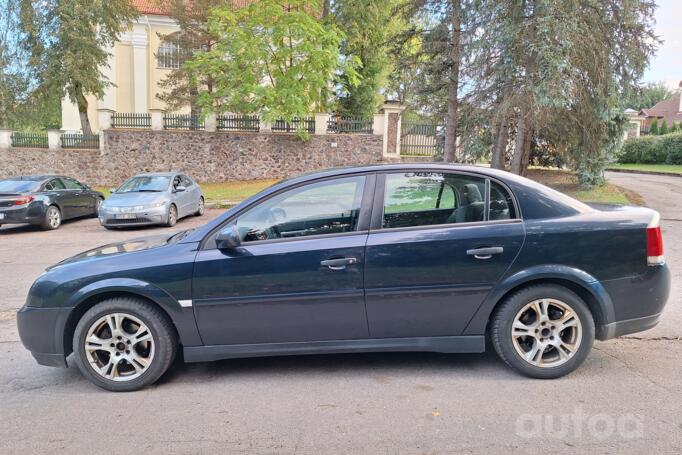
[[153, 206]]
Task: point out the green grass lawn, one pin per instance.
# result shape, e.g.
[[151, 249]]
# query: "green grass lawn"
[[669, 168]]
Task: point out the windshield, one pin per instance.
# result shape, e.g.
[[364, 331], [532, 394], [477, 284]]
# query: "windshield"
[[18, 186], [143, 184]]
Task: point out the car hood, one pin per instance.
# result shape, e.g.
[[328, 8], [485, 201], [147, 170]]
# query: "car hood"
[[134, 199], [112, 249]]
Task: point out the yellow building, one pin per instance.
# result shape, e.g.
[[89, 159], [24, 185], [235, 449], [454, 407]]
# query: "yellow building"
[[138, 62]]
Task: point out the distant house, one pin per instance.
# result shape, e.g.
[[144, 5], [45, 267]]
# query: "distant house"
[[669, 111], [140, 60]]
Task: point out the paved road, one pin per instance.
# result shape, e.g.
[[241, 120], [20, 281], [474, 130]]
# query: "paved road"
[[624, 399]]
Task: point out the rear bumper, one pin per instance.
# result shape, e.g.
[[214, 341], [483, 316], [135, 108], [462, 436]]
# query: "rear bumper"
[[20, 215], [41, 331], [638, 302]]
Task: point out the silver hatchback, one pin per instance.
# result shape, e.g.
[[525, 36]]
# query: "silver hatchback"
[[155, 198]]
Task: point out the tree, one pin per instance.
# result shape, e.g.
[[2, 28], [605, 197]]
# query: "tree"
[[368, 28], [664, 128], [646, 96], [653, 130], [69, 46], [270, 57], [179, 89]]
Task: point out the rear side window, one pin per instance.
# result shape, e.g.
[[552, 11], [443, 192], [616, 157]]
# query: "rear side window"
[[431, 198], [71, 184], [54, 184], [501, 203]]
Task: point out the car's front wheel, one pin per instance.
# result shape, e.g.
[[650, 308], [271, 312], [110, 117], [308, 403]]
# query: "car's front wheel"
[[543, 331], [202, 207], [172, 216], [124, 344]]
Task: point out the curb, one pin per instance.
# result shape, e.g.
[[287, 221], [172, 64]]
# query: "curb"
[[634, 171]]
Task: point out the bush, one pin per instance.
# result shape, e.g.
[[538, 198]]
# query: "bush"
[[651, 149]]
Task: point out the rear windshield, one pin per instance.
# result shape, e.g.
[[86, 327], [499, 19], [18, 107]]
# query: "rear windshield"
[[18, 186]]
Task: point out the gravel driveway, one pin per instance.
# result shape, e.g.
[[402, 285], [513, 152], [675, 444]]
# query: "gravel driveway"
[[624, 399]]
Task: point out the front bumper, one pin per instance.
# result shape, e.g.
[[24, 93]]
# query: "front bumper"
[[41, 331], [158, 215]]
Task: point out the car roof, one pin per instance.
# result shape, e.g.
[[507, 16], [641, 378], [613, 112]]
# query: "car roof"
[[33, 178], [157, 174]]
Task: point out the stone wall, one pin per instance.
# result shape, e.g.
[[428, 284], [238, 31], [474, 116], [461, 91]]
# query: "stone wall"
[[206, 156]]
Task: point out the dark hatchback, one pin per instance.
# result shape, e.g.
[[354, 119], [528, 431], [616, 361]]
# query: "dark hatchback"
[[378, 258], [46, 200]]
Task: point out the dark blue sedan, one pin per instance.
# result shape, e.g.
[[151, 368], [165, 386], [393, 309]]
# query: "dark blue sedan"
[[381, 258]]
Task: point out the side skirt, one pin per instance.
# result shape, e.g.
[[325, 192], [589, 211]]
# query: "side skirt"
[[446, 344]]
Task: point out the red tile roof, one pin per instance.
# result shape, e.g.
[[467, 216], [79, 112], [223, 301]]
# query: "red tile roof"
[[668, 109], [157, 8]]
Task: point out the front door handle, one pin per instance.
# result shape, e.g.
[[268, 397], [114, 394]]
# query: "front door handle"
[[485, 253], [338, 264]]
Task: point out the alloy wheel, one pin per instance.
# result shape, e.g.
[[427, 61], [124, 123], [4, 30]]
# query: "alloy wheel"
[[172, 215], [201, 206], [53, 217], [546, 333], [119, 347]]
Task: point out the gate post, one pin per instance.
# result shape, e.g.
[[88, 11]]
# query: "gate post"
[[392, 111]]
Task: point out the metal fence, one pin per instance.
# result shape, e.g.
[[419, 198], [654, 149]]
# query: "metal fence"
[[296, 124], [131, 120], [338, 124], [80, 141], [182, 122], [238, 123], [33, 140], [421, 139]]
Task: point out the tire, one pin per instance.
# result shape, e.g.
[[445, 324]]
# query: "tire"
[[97, 205], [129, 373], [172, 216], [52, 218], [201, 209], [546, 352]]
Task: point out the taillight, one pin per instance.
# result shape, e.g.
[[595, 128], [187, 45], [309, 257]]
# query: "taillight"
[[23, 200], [654, 242]]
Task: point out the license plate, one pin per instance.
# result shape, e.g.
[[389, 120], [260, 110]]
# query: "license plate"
[[126, 216]]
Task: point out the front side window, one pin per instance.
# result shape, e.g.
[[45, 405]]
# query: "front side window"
[[430, 198], [328, 207]]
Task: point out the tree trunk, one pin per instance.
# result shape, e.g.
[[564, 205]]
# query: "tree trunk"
[[453, 87], [82, 104], [527, 143], [500, 146], [517, 158]]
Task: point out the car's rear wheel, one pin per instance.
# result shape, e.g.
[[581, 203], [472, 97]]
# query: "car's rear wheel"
[[52, 219], [543, 331], [172, 216], [124, 344], [202, 207]]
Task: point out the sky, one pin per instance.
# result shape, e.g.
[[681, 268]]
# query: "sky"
[[666, 66]]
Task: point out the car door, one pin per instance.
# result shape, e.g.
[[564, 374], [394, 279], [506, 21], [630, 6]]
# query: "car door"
[[193, 194], [182, 198], [56, 191], [298, 273], [80, 200], [433, 253]]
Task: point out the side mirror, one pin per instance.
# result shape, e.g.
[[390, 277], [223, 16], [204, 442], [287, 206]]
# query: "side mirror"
[[228, 238], [180, 189], [112, 190]]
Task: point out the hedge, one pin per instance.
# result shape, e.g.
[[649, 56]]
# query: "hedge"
[[665, 149]]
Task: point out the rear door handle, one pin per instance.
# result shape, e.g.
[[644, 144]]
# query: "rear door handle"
[[338, 264], [485, 253]]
